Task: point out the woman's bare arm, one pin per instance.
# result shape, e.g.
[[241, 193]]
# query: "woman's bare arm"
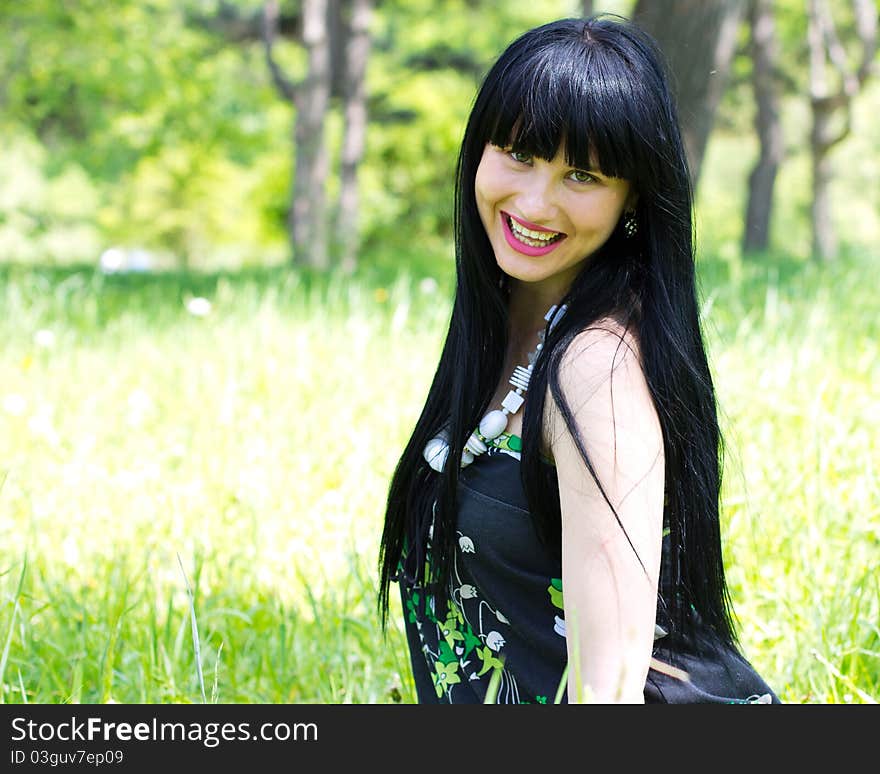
[[610, 597]]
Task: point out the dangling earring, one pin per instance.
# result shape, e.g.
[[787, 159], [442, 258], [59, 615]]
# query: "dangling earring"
[[630, 224]]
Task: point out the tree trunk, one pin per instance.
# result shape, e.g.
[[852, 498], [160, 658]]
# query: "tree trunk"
[[828, 103], [824, 238], [765, 57], [586, 8], [308, 212], [698, 39], [357, 51]]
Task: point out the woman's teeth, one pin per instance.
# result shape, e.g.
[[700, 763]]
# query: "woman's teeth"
[[532, 238]]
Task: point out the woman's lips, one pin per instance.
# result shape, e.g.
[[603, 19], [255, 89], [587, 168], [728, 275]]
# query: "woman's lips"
[[516, 240]]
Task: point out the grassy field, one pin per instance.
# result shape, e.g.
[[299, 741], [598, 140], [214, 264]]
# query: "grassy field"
[[194, 470]]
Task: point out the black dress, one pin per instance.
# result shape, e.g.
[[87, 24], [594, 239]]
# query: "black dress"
[[505, 615]]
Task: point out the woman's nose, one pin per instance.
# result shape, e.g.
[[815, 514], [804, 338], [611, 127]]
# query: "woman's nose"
[[536, 201]]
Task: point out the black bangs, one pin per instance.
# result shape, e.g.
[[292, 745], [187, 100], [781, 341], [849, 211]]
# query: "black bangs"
[[566, 96]]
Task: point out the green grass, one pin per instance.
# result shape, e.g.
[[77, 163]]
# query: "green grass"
[[244, 455]]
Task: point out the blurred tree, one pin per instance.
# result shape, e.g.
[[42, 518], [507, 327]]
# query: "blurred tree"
[[311, 99], [356, 34], [764, 49], [336, 37], [832, 104], [698, 39]]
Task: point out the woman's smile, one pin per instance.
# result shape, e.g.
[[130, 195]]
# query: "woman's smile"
[[529, 238]]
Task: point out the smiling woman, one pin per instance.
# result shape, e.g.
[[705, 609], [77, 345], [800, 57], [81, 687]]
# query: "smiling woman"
[[554, 519]]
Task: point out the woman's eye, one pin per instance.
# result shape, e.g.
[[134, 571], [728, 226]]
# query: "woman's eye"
[[519, 156], [579, 176]]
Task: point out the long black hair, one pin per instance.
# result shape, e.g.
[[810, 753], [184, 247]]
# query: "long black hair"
[[599, 88]]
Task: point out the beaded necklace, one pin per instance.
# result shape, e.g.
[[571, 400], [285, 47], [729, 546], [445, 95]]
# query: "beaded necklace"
[[490, 431]]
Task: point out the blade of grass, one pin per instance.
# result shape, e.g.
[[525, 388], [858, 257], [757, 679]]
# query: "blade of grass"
[[21, 688], [843, 678], [77, 682], [195, 631], [563, 682], [6, 646], [214, 691], [494, 683]]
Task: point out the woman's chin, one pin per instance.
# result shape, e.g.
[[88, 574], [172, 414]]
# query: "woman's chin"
[[534, 270]]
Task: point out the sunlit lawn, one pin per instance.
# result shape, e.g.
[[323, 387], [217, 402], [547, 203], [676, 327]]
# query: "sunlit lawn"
[[244, 447]]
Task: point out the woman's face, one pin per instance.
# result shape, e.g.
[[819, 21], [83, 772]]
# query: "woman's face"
[[545, 218]]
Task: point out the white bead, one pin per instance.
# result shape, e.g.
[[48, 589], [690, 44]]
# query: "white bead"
[[512, 402], [435, 453], [466, 458], [475, 445], [520, 377], [493, 424]]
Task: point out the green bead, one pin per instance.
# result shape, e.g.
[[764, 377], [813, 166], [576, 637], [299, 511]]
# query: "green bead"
[[515, 443]]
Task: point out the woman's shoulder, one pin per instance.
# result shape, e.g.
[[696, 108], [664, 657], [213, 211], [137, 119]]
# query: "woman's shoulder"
[[599, 349], [600, 378]]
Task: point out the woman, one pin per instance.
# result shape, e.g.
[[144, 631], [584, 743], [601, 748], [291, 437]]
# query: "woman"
[[554, 519]]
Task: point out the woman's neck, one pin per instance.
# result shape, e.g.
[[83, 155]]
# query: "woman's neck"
[[527, 305]]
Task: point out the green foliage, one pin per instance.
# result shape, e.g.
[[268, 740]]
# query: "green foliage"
[[167, 125], [138, 124], [186, 146], [44, 216]]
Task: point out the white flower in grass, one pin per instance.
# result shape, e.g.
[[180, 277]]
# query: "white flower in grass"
[[140, 405], [466, 544], [70, 550], [42, 426], [14, 404], [428, 286], [467, 591], [44, 339], [198, 306], [495, 641]]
